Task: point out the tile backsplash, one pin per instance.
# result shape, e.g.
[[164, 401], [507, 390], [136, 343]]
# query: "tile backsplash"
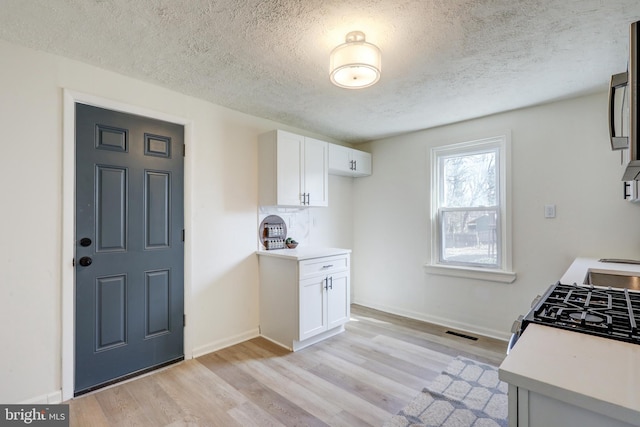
[[297, 220]]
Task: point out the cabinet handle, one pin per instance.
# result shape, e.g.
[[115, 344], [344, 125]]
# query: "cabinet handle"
[[617, 81], [355, 165], [326, 283], [626, 186], [308, 198], [331, 282], [327, 266]]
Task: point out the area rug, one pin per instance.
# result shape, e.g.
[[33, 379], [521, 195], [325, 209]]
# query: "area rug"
[[466, 394]]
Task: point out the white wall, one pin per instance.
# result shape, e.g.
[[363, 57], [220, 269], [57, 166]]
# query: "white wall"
[[333, 227], [221, 214], [560, 155]]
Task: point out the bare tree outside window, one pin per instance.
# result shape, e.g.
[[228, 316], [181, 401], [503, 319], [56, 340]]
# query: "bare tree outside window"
[[468, 210], [471, 209], [470, 180]]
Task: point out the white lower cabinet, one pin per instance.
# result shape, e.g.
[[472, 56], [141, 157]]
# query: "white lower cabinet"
[[324, 303], [530, 409], [562, 378], [303, 301]]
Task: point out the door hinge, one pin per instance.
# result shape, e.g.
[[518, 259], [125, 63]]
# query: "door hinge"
[[184, 320], [73, 262], [184, 150], [183, 234]]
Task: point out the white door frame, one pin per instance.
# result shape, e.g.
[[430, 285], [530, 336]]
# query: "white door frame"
[[69, 225]]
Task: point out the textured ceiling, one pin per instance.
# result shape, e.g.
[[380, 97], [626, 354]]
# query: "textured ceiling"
[[443, 60]]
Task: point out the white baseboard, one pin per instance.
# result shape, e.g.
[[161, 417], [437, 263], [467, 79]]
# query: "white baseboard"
[[52, 398], [224, 343], [299, 345], [448, 323], [55, 397], [279, 344]]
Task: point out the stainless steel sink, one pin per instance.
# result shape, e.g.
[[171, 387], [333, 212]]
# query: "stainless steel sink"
[[613, 280]]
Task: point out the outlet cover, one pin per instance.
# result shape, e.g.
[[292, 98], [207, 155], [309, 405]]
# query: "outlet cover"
[[549, 211]]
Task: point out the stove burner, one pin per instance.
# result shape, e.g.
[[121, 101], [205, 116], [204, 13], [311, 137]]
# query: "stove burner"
[[589, 319], [606, 312]]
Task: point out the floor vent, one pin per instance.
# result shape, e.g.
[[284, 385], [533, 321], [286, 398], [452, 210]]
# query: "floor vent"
[[458, 334]]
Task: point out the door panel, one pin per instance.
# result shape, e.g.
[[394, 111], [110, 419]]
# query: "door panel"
[[157, 221], [110, 138], [338, 304], [129, 251], [157, 303], [312, 307], [111, 208], [289, 166], [316, 171], [111, 313]]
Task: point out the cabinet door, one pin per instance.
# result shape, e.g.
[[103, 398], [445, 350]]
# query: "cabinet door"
[[338, 300], [316, 171], [362, 163], [348, 162], [340, 160], [289, 169], [313, 307]]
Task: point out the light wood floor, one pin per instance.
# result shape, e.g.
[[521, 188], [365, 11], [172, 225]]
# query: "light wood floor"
[[359, 378]]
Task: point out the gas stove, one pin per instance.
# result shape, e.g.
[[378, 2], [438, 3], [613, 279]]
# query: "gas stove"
[[604, 312]]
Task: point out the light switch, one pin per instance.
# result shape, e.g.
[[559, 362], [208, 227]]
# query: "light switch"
[[549, 211]]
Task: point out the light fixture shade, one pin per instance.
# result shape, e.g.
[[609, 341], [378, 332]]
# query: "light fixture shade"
[[355, 64]]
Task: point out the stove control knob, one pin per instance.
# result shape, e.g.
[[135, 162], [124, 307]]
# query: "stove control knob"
[[535, 301], [517, 325]]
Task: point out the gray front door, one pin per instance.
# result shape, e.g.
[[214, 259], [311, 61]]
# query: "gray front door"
[[129, 246]]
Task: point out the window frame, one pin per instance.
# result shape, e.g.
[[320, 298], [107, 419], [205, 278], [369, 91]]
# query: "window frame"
[[502, 271]]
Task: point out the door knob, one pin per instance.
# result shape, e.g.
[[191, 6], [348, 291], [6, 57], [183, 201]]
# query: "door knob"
[[85, 261], [85, 241]]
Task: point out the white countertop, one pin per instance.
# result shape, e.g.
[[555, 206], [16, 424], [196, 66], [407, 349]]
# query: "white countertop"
[[578, 270], [304, 252], [598, 374]]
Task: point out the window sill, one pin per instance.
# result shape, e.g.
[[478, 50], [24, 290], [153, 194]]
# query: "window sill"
[[471, 273]]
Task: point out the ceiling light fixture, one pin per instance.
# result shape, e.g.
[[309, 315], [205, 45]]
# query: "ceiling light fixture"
[[355, 64]]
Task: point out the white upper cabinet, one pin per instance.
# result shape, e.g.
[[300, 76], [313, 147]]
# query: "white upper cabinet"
[[316, 172], [361, 163], [293, 170], [348, 162], [340, 162]]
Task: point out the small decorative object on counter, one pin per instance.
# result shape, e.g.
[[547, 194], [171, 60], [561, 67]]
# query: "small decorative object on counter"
[[291, 243]]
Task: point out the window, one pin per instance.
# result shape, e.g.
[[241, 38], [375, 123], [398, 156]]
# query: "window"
[[469, 214]]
